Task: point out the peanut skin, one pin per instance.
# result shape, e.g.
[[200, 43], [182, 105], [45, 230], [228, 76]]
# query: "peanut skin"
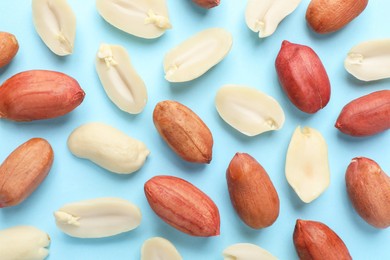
[[39, 94], [368, 188], [251, 191], [186, 134], [327, 16], [207, 4], [9, 46], [303, 77], [183, 206], [23, 170], [314, 240], [367, 115]]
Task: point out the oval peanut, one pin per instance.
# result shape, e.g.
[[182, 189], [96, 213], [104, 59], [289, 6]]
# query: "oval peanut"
[[23, 170], [24, 242], [108, 147], [368, 188], [249, 110], [327, 16], [307, 165], [183, 206], [263, 17], [196, 55], [303, 77], [369, 60], [251, 191], [207, 4], [183, 131], [246, 251], [55, 23], [120, 80], [145, 19], [367, 115], [96, 218], [159, 248], [9, 46], [39, 94], [315, 240]]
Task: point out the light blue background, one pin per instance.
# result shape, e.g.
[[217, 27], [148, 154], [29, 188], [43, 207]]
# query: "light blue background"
[[250, 62]]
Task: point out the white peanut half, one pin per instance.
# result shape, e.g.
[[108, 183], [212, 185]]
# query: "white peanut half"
[[121, 82], [23, 242], [158, 248], [264, 16], [196, 55], [108, 147], [146, 19], [246, 251], [369, 60], [55, 23], [248, 110], [307, 166], [96, 218]]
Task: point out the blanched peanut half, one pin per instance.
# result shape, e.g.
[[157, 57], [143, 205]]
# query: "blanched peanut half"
[[307, 166], [264, 16], [196, 55], [120, 81], [55, 23], [246, 251], [108, 147], [146, 19], [158, 248], [369, 60], [95, 218], [23, 242], [248, 110]]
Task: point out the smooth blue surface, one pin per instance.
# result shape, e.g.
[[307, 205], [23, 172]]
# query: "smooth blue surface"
[[250, 62]]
